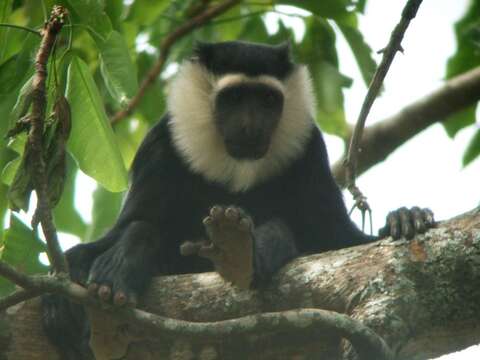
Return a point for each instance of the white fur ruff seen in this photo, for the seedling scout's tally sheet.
(190, 103)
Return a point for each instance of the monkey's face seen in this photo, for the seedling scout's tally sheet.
(246, 115)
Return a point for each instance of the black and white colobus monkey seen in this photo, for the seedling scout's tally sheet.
(236, 161)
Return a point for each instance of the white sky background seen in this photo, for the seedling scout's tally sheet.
(427, 170)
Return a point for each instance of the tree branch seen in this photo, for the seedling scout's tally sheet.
(366, 342)
(165, 47)
(35, 138)
(407, 292)
(382, 138)
(389, 52)
(17, 297)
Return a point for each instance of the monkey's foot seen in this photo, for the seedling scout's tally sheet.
(230, 248)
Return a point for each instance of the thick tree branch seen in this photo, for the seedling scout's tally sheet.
(365, 341)
(382, 138)
(167, 43)
(389, 52)
(413, 294)
(35, 138)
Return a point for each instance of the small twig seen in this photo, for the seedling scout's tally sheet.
(24, 28)
(389, 52)
(15, 276)
(165, 47)
(17, 297)
(35, 138)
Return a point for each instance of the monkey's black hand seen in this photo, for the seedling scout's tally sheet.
(123, 272)
(407, 223)
(230, 245)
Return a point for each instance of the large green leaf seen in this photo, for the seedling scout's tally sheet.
(91, 13)
(106, 206)
(92, 142)
(467, 56)
(117, 68)
(473, 149)
(362, 52)
(21, 248)
(318, 51)
(5, 10)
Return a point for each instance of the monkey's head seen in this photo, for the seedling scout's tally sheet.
(240, 111)
(248, 96)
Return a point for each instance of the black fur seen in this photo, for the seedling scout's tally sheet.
(245, 58)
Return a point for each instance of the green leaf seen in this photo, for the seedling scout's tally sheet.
(145, 12)
(106, 207)
(21, 248)
(130, 135)
(117, 68)
(255, 30)
(92, 142)
(473, 149)
(459, 120)
(324, 8)
(362, 52)
(318, 51)
(114, 10)
(5, 10)
(5, 156)
(21, 186)
(467, 56)
(92, 14)
(360, 5)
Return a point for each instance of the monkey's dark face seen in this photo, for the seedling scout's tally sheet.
(246, 115)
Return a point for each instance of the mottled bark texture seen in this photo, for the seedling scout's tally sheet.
(422, 297)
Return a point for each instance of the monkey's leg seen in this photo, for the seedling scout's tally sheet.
(242, 254)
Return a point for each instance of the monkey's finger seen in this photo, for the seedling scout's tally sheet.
(232, 213)
(92, 290)
(418, 220)
(393, 224)
(190, 248)
(120, 298)
(105, 293)
(216, 212)
(210, 252)
(406, 223)
(428, 217)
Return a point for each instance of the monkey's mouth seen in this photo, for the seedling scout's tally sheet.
(247, 151)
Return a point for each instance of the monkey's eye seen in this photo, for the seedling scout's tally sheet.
(269, 99)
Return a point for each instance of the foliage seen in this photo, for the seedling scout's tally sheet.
(105, 51)
(467, 56)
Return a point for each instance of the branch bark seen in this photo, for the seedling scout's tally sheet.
(422, 297)
(35, 138)
(382, 138)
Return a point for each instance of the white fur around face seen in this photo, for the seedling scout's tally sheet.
(190, 103)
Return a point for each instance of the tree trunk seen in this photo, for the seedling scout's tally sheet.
(422, 297)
